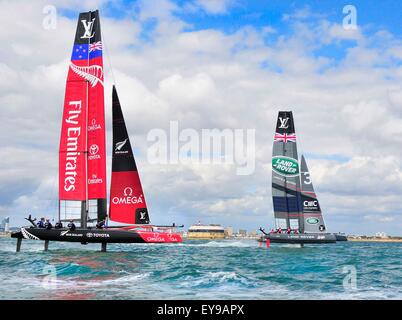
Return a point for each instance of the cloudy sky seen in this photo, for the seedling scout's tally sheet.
(224, 64)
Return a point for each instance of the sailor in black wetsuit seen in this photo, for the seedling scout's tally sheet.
(58, 225)
(48, 225)
(100, 224)
(71, 225)
(41, 223)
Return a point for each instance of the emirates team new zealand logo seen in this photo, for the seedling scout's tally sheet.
(92, 74)
(119, 146)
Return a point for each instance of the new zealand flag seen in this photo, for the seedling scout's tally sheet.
(81, 51)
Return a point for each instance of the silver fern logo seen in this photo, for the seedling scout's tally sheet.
(119, 146)
(92, 74)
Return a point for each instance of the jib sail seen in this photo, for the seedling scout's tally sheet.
(313, 220)
(127, 201)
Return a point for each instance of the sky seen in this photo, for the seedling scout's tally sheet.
(217, 64)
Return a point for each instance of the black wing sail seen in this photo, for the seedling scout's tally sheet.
(286, 175)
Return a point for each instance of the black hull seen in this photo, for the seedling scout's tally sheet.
(340, 237)
(80, 235)
(301, 238)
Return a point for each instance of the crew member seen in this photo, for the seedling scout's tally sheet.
(280, 230)
(41, 223)
(288, 230)
(48, 224)
(58, 225)
(100, 224)
(71, 225)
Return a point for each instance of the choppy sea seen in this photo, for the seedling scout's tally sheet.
(226, 269)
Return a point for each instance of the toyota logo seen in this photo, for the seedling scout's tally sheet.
(93, 149)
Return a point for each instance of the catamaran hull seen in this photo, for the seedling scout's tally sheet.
(301, 238)
(340, 237)
(97, 235)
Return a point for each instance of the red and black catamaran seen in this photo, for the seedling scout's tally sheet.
(82, 159)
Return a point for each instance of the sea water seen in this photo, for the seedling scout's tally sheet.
(227, 269)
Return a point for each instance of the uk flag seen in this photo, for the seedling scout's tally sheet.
(95, 49)
(95, 46)
(285, 137)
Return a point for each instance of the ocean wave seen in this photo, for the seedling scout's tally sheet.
(228, 269)
(221, 243)
(215, 279)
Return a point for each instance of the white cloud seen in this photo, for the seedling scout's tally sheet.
(379, 218)
(161, 9)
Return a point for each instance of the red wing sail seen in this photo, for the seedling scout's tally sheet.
(82, 156)
(127, 201)
(73, 140)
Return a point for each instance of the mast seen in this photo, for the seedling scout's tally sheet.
(287, 204)
(82, 154)
(96, 123)
(127, 200)
(285, 174)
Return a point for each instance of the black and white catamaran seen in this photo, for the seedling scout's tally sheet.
(298, 216)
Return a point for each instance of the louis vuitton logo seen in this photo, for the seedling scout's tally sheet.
(284, 123)
(88, 26)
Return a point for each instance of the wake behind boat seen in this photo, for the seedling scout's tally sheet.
(298, 216)
(82, 160)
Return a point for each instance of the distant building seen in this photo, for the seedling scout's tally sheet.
(5, 224)
(201, 231)
(243, 233)
(381, 235)
(229, 232)
(253, 233)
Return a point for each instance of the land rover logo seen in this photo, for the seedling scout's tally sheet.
(312, 220)
(285, 166)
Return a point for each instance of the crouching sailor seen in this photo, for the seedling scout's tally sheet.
(41, 223)
(71, 225)
(100, 224)
(48, 224)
